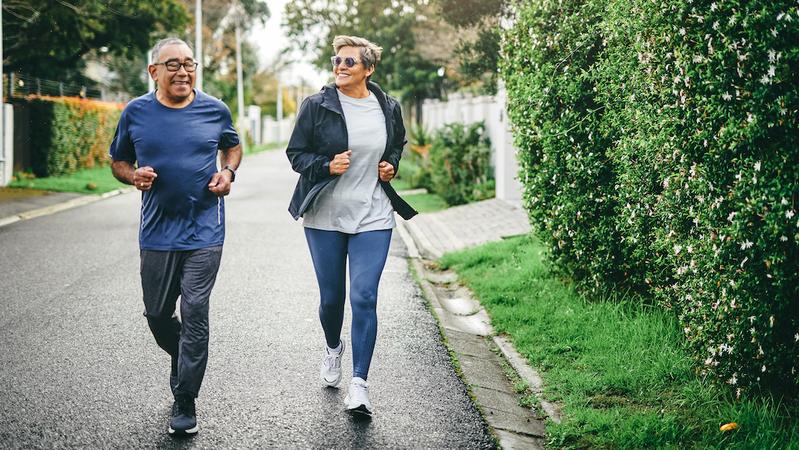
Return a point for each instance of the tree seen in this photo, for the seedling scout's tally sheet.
(49, 39)
(478, 47)
(392, 24)
(219, 47)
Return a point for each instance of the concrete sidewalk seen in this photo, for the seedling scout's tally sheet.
(466, 226)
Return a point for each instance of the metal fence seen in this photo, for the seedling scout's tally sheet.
(17, 84)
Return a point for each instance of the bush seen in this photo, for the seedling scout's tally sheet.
(460, 163)
(657, 146)
(416, 161)
(68, 134)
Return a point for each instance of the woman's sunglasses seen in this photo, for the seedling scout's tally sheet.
(348, 61)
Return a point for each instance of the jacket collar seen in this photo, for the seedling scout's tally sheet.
(330, 97)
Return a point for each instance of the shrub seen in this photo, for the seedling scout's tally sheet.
(416, 161)
(68, 134)
(460, 163)
(657, 146)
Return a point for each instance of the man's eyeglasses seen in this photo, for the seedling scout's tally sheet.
(348, 61)
(174, 66)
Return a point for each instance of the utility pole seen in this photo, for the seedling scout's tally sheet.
(150, 82)
(240, 76)
(198, 43)
(3, 161)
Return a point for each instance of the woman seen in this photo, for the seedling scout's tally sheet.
(346, 146)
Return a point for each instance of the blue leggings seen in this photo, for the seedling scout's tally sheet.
(367, 254)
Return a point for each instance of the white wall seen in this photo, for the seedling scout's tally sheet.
(274, 131)
(491, 109)
(6, 144)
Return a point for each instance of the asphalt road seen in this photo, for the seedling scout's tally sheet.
(79, 368)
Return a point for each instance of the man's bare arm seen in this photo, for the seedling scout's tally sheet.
(221, 181)
(143, 177)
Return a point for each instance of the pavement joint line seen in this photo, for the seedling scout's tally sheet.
(454, 240)
(63, 206)
(506, 348)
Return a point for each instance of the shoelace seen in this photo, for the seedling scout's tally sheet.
(332, 361)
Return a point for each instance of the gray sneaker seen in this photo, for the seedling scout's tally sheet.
(357, 400)
(184, 417)
(331, 367)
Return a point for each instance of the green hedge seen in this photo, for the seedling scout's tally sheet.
(460, 163)
(658, 148)
(68, 134)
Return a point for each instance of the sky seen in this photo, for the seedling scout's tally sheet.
(271, 39)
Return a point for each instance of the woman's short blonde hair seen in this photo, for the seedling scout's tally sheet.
(370, 52)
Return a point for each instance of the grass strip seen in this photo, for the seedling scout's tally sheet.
(425, 203)
(97, 180)
(617, 366)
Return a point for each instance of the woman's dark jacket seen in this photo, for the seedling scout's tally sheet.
(320, 133)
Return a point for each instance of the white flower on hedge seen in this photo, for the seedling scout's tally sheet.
(772, 56)
(726, 96)
(774, 32)
(733, 379)
(763, 369)
(746, 245)
(796, 337)
(757, 166)
(789, 214)
(731, 216)
(784, 238)
(771, 321)
(783, 202)
(677, 249)
(752, 319)
(714, 6)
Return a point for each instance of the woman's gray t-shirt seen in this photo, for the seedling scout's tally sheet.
(354, 202)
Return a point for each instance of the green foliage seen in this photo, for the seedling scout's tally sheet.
(68, 134)
(657, 149)
(478, 47)
(49, 39)
(311, 25)
(617, 366)
(460, 163)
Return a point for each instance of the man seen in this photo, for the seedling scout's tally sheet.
(166, 145)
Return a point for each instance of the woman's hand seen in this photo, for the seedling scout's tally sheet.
(340, 163)
(385, 171)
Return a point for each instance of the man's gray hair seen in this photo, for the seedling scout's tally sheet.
(163, 43)
(370, 52)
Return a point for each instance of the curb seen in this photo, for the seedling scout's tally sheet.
(58, 207)
(416, 256)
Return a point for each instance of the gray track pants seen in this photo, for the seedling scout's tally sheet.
(191, 274)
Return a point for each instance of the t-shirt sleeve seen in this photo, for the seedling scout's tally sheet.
(229, 138)
(122, 146)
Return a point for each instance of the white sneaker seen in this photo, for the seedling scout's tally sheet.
(357, 400)
(331, 367)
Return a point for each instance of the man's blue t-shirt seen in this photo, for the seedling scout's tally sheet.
(179, 212)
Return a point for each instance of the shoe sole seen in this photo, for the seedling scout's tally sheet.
(360, 410)
(332, 383)
(193, 430)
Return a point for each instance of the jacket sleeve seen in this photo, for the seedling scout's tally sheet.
(399, 140)
(300, 150)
